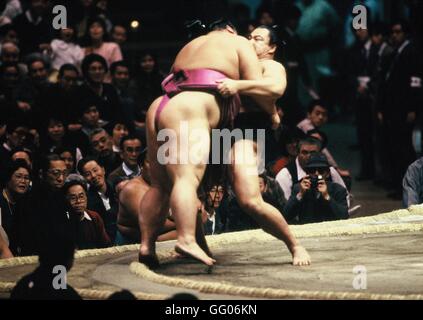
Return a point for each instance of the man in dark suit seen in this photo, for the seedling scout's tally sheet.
(130, 150)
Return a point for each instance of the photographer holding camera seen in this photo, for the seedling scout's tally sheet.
(315, 198)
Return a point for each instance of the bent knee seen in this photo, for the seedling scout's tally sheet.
(252, 205)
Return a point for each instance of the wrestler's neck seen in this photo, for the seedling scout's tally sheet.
(266, 57)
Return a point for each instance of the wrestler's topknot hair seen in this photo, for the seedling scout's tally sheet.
(221, 24)
(273, 35)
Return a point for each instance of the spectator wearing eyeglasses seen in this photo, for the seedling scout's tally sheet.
(101, 195)
(16, 182)
(44, 209)
(88, 226)
(315, 198)
(130, 150)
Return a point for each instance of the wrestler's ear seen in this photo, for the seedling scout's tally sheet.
(273, 49)
(231, 30)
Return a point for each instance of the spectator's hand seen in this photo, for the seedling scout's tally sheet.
(380, 117)
(322, 187)
(74, 126)
(46, 47)
(313, 94)
(227, 87)
(305, 185)
(411, 117)
(24, 106)
(343, 173)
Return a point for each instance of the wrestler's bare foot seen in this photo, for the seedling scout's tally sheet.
(148, 258)
(194, 251)
(300, 256)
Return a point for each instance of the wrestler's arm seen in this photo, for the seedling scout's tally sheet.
(4, 249)
(250, 69)
(272, 86)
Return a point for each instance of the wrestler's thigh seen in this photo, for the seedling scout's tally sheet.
(193, 148)
(158, 174)
(244, 173)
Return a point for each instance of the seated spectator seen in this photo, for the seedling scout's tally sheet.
(31, 90)
(34, 27)
(101, 195)
(57, 249)
(412, 184)
(16, 181)
(69, 156)
(238, 220)
(294, 172)
(317, 117)
(59, 100)
(127, 92)
(12, 8)
(119, 131)
(212, 217)
(148, 82)
(102, 147)
(90, 117)
(64, 50)
(315, 198)
(103, 95)
(119, 34)
(44, 209)
(96, 42)
(17, 136)
(131, 148)
(289, 140)
(88, 225)
(9, 82)
(22, 154)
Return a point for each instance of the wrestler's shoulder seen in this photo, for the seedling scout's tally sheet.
(272, 64)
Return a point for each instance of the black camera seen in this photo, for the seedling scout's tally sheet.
(315, 180)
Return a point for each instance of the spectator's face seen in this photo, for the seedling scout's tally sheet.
(319, 116)
(38, 7)
(96, 72)
(77, 199)
(56, 174)
(398, 35)
(11, 36)
(67, 34)
(121, 77)
(262, 185)
(131, 151)
(94, 174)
(260, 39)
(119, 35)
(19, 182)
(291, 148)
(10, 54)
(266, 19)
(10, 77)
(119, 131)
(216, 196)
(91, 117)
(96, 32)
(102, 4)
(67, 157)
(315, 172)
(18, 137)
(362, 35)
(68, 80)
(147, 63)
(377, 39)
(102, 144)
(38, 72)
(306, 151)
(56, 130)
(20, 155)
